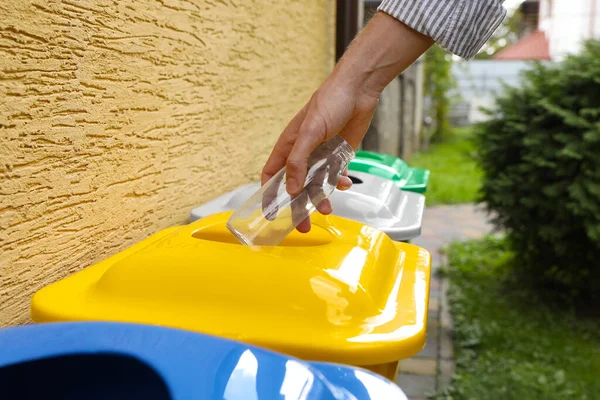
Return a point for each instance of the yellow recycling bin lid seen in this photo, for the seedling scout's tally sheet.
(342, 293)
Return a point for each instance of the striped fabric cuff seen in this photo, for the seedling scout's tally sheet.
(459, 26)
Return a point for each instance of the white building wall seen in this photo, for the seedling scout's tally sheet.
(596, 19)
(568, 23)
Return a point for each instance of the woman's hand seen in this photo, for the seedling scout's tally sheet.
(334, 108)
(346, 101)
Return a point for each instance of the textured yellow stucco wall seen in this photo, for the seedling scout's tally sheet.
(117, 117)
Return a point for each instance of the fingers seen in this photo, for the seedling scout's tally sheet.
(345, 183)
(283, 147)
(269, 198)
(298, 209)
(325, 207)
(304, 226)
(314, 183)
(312, 133)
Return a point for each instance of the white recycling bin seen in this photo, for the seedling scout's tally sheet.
(371, 200)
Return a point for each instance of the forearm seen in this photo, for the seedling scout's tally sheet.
(460, 26)
(384, 49)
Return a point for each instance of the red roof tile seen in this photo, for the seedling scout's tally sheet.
(532, 47)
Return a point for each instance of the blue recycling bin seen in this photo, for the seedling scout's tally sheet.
(99, 360)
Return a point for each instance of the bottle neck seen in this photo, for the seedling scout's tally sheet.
(341, 149)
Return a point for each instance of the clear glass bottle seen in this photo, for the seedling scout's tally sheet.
(270, 214)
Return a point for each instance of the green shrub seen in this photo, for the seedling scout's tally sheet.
(540, 155)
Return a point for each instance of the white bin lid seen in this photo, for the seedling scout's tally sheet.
(371, 200)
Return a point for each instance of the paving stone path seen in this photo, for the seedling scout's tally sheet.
(431, 369)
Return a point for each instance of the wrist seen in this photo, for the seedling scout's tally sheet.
(384, 49)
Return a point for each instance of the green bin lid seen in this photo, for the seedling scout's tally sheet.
(392, 168)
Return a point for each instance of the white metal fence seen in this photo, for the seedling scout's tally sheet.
(479, 82)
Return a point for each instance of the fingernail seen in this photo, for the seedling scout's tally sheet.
(345, 182)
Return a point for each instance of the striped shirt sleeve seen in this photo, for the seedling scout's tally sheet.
(459, 26)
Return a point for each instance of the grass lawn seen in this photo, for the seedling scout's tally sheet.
(455, 178)
(508, 344)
